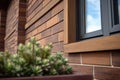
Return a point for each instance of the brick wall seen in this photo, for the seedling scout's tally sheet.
(21, 22)
(49, 28)
(104, 65)
(11, 26)
(2, 28)
(15, 21)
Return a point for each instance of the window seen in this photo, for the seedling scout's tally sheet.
(97, 18)
(115, 16)
(107, 15)
(92, 16)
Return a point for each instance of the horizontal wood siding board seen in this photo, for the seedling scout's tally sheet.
(42, 12)
(97, 44)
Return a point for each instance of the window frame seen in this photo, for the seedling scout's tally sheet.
(80, 9)
(111, 42)
(113, 28)
(107, 20)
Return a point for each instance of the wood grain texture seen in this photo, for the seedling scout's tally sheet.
(96, 44)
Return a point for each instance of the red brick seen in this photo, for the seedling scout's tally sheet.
(58, 47)
(31, 28)
(54, 38)
(97, 58)
(84, 70)
(42, 42)
(15, 22)
(61, 36)
(105, 73)
(74, 57)
(61, 15)
(58, 8)
(38, 36)
(52, 21)
(46, 33)
(41, 28)
(116, 58)
(34, 32)
(2, 28)
(57, 28)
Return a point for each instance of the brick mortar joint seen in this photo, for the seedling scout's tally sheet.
(94, 65)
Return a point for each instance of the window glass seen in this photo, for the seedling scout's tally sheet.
(93, 15)
(119, 8)
(116, 4)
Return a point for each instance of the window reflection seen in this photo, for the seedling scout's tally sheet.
(93, 15)
(119, 8)
(116, 6)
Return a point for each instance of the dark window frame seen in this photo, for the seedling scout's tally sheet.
(111, 42)
(114, 27)
(107, 20)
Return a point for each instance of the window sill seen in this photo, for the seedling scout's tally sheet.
(96, 44)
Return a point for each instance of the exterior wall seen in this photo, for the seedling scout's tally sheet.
(48, 28)
(2, 28)
(14, 22)
(11, 26)
(21, 22)
(104, 65)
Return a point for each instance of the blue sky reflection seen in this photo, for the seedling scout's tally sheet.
(93, 15)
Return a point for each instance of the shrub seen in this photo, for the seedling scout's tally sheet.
(32, 59)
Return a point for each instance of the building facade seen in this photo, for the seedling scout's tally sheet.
(64, 23)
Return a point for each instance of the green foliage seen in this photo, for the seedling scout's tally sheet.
(33, 60)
